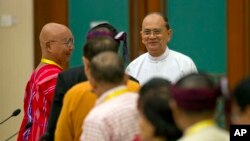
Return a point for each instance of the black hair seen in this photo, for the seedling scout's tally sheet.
(165, 18)
(106, 29)
(241, 94)
(105, 25)
(99, 44)
(153, 103)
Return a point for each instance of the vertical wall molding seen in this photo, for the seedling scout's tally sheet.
(139, 9)
(238, 40)
(46, 11)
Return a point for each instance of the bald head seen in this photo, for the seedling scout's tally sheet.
(56, 41)
(52, 31)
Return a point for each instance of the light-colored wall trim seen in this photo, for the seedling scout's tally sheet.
(16, 61)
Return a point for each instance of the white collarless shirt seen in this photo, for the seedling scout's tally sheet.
(171, 65)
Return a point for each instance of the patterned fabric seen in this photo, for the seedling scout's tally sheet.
(37, 102)
(171, 65)
(65, 81)
(137, 138)
(77, 103)
(113, 120)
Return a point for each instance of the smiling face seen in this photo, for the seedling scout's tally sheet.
(59, 43)
(154, 34)
(62, 46)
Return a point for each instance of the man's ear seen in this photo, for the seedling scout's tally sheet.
(86, 67)
(141, 33)
(175, 108)
(142, 37)
(247, 111)
(170, 33)
(172, 104)
(48, 47)
(86, 63)
(92, 82)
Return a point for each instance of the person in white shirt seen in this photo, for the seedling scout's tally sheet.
(159, 61)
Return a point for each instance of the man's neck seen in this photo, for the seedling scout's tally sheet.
(191, 120)
(106, 86)
(58, 62)
(159, 53)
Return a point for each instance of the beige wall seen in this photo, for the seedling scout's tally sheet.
(16, 61)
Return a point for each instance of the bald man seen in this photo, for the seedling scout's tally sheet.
(56, 43)
(159, 61)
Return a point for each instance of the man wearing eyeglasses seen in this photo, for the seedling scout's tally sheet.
(159, 61)
(56, 43)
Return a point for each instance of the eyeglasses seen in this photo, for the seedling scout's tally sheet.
(148, 32)
(69, 42)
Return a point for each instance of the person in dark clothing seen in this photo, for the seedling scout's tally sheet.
(69, 78)
(241, 103)
(156, 121)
